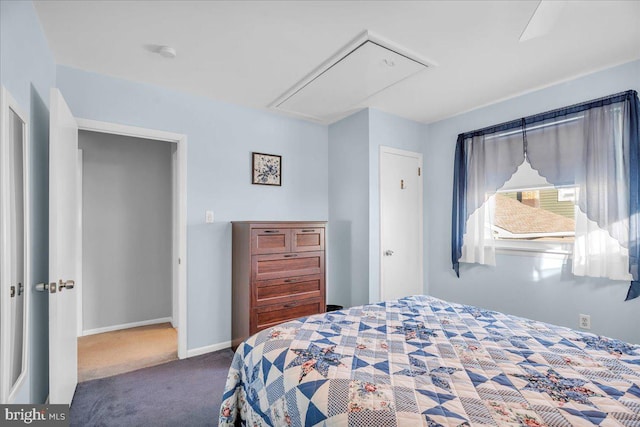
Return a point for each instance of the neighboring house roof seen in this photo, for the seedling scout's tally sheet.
(518, 218)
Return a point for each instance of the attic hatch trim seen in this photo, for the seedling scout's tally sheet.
(362, 38)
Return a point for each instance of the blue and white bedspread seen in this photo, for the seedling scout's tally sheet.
(423, 361)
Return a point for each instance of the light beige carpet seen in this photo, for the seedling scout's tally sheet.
(112, 353)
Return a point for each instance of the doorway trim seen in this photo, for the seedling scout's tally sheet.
(179, 202)
(418, 156)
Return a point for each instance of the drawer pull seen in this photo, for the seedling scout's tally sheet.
(308, 231)
(290, 255)
(271, 231)
(291, 281)
(289, 305)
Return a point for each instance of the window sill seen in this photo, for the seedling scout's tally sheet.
(537, 249)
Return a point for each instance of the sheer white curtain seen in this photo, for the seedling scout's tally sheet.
(478, 239)
(491, 161)
(590, 149)
(601, 246)
(596, 253)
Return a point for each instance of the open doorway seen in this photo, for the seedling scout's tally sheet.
(128, 298)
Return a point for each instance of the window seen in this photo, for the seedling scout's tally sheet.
(529, 214)
(534, 215)
(594, 146)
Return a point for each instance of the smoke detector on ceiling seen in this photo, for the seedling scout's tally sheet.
(166, 52)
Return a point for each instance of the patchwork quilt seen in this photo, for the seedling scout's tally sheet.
(423, 361)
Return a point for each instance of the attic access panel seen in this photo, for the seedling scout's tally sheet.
(347, 82)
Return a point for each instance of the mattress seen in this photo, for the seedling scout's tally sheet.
(424, 361)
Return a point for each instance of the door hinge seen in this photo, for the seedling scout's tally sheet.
(179, 261)
(419, 171)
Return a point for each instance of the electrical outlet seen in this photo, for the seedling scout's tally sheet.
(585, 321)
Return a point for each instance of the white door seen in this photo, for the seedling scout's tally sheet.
(400, 223)
(63, 231)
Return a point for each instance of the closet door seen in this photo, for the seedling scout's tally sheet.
(14, 237)
(400, 223)
(17, 243)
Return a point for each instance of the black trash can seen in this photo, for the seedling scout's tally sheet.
(332, 307)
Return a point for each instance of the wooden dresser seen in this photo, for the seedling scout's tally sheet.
(278, 274)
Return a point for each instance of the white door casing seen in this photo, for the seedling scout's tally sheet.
(79, 281)
(63, 232)
(401, 223)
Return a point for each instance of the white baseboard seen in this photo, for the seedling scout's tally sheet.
(126, 326)
(208, 348)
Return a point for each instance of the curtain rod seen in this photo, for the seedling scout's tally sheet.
(535, 118)
(540, 126)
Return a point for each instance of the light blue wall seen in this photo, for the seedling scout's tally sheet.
(349, 210)
(27, 70)
(328, 173)
(538, 288)
(354, 202)
(126, 248)
(221, 138)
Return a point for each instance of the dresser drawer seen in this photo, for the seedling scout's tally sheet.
(271, 315)
(307, 239)
(270, 240)
(275, 266)
(283, 290)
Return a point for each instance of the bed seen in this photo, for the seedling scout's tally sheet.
(422, 361)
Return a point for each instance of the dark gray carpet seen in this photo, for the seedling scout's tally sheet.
(180, 393)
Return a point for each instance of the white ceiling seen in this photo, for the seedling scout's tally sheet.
(252, 52)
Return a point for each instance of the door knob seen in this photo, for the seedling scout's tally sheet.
(47, 287)
(42, 287)
(388, 252)
(69, 284)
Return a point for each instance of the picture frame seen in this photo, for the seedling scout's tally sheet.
(266, 169)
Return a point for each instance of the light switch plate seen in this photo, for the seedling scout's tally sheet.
(209, 217)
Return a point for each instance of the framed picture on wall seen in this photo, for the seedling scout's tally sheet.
(266, 169)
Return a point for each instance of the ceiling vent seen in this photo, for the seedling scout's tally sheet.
(342, 84)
